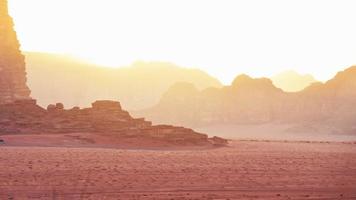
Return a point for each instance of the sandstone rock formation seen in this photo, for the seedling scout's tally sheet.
(104, 117)
(328, 107)
(12, 62)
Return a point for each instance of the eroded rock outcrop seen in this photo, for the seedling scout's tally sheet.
(12, 62)
(104, 117)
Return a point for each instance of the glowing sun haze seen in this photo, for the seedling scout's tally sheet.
(222, 37)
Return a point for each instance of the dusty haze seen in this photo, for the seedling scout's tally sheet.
(56, 78)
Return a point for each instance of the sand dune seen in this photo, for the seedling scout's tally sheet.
(245, 170)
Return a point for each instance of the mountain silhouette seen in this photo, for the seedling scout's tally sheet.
(55, 78)
(323, 108)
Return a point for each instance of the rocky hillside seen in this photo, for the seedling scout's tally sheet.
(54, 78)
(103, 118)
(325, 107)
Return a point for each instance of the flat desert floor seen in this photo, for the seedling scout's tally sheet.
(244, 170)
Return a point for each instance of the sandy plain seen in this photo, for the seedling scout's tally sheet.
(243, 170)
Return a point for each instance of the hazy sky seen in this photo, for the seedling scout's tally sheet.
(222, 37)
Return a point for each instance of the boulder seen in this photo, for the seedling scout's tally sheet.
(59, 106)
(51, 108)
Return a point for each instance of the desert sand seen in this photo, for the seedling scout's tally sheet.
(243, 170)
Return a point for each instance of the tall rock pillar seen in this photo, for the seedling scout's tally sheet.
(12, 62)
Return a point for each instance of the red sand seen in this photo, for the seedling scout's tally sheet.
(88, 140)
(245, 170)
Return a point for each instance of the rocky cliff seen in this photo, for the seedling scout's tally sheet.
(12, 62)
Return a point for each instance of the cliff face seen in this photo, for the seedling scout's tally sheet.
(258, 101)
(12, 62)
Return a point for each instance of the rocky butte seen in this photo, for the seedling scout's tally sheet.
(19, 114)
(12, 62)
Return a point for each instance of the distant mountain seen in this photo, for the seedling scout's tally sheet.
(291, 81)
(320, 108)
(55, 78)
(245, 100)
